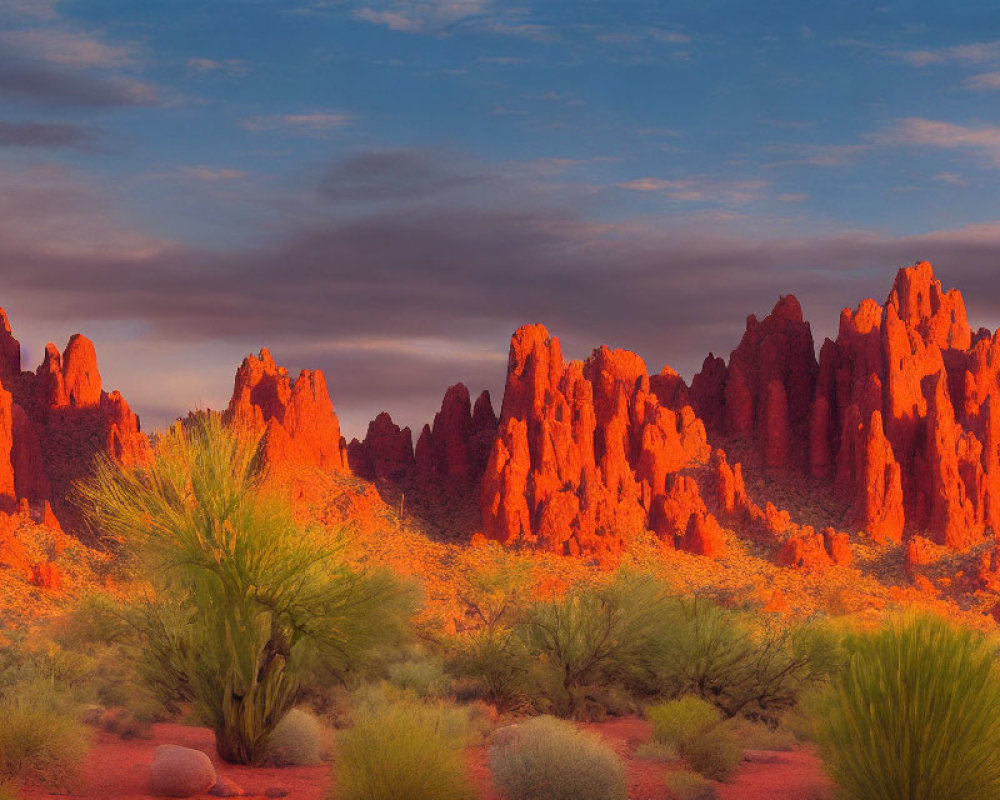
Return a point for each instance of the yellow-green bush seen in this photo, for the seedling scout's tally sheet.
(714, 753)
(682, 719)
(39, 743)
(915, 716)
(548, 759)
(405, 750)
(685, 785)
(296, 740)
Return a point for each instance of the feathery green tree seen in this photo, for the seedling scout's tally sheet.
(244, 601)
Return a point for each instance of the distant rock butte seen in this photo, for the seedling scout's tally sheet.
(898, 417)
(52, 424)
(294, 420)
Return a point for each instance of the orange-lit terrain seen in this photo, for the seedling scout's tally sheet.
(853, 485)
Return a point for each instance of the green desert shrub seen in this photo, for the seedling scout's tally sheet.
(406, 750)
(684, 785)
(714, 753)
(296, 740)
(682, 719)
(244, 601)
(549, 759)
(594, 637)
(422, 675)
(39, 743)
(915, 716)
(744, 665)
(95, 619)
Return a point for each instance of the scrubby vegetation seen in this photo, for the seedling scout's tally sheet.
(685, 785)
(679, 720)
(914, 715)
(40, 740)
(695, 729)
(297, 739)
(245, 602)
(402, 749)
(547, 759)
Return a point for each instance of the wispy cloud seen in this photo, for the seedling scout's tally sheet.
(231, 67)
(203, 172)
(47, 85)
(421, 16)
(951, 177)
(974, 53)
(46, 135)
(318, 123)
(67, 48)
(818, 155)
(983, 140)
(700, 189)
(983, 81)
(52, 63)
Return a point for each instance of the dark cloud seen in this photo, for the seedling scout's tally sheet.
(60, 85)
(398, 301)
(44, 134)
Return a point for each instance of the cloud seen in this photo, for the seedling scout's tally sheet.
(231, 67)
(46, 134)
(951, 177)
(819, 155)
(401, 293)
(984, 80)
(66, 48)
(36, 9)
(983, 140)
(203, 172)
(318, 123)
(423, 15)
(50, 62)
(700, 189)
(974, 53)
(47, 85)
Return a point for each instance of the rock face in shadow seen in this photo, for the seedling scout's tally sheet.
(899, 412)
(54, 422)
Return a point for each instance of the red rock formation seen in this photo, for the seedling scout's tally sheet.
(10, 350)
(767, 390)
(703, 537)
(838, 547)
(295, 418)
(584, 451)
(868, 470)
(806, 551)
(81, 379)
(8, 495)
(54, 421)
(386, 453)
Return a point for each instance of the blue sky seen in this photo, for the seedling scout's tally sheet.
(387, 189)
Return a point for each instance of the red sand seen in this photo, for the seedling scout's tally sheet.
(119, 770)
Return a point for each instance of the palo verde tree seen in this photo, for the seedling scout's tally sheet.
(243, 600)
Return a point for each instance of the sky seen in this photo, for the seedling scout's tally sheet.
(386, 189)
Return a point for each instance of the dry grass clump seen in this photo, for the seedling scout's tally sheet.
(407, 749)
(690, 786)
(39, 743)
(549, 759)
(695, 728)
(296, 740)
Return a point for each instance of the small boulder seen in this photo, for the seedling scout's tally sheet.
(180, 772)
(226, 788)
